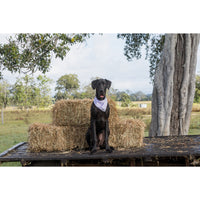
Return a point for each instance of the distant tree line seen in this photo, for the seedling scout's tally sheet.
(68, 87)
(26, 92)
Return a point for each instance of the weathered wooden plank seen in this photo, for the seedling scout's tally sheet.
(11, 149)
(132, 162)
(158, 149)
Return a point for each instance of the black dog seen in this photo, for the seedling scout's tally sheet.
(98, 132)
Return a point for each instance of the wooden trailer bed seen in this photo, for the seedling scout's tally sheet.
(157, 151)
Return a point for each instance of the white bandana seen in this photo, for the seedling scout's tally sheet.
(102, 105)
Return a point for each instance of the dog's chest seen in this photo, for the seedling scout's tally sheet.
(99, 115)
(101, 118)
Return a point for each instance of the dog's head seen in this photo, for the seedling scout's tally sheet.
(101, 85)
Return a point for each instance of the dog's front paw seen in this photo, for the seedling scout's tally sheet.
(94, 150)
(112, 148)
(109, 150)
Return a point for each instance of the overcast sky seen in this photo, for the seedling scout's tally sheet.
(100, 56)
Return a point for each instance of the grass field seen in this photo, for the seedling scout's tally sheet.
(15, 127)
(16, 123)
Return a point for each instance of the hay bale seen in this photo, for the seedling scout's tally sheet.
(134, 134)
(75, 136)
(127, 134)
(77, 112)
(47, 137)
(71, 112)
(71, 120)
(44, 137)
(114, 117)
(116, 130)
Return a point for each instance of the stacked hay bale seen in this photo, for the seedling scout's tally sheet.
(72, 112)
(43, 137)
(71, 119)
(127, 134)
(74, 117)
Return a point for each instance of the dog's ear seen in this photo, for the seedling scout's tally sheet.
(108, 83)
(94, 84)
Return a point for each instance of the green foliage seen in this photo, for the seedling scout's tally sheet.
(66, 85)
(140, 96)
(133, 44)
(125, 98)
(28, 92)
(112, 93)
(153, 46)
(4, 93)
(119, 95)
(197, 90)
(32, 52)
(9, 57)
(88, 92)
(24, 92)
(42, 91)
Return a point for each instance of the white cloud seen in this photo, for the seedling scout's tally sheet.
(102, 56)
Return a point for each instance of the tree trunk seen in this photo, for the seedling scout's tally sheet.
(174, 85)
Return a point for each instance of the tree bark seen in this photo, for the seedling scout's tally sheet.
(174, 85)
